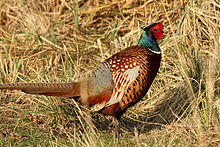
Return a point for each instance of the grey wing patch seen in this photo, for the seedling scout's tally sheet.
(100, 79)
(98, 82)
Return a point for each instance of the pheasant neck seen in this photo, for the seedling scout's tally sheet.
(149, 43)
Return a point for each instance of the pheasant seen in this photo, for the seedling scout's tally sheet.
(116, 84)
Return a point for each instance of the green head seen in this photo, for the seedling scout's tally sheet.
(150, 35)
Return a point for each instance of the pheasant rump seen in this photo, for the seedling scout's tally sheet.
(117, 84)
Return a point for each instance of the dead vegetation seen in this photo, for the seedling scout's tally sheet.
(57, 40)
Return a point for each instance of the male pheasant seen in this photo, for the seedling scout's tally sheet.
(117, 84)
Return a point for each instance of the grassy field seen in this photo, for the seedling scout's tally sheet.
(61, 41)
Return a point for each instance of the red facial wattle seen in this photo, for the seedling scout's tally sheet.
(158, 30)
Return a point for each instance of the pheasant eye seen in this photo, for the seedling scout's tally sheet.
(156, 28)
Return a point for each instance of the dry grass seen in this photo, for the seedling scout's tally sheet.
(54, 41)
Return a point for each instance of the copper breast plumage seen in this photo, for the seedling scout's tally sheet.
(133, 71)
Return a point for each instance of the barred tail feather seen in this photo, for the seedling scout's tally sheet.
(48, 89)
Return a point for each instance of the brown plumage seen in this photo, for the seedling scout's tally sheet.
(117, 84)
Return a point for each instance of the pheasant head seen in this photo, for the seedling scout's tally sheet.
(149, 36)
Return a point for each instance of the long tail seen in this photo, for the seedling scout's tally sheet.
(49, 89)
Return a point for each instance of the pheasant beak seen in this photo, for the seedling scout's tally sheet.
(164, 29)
